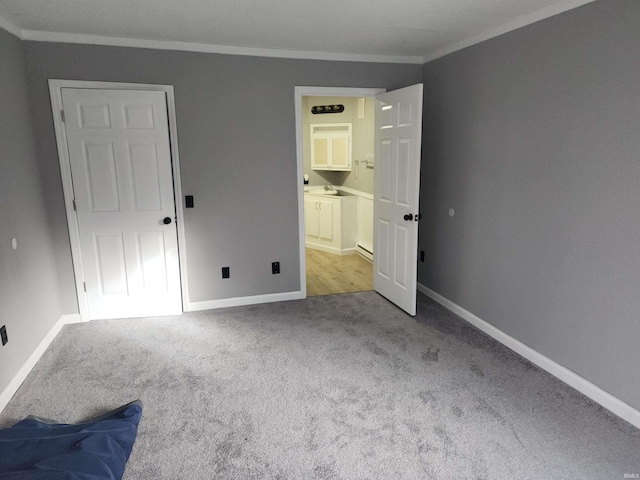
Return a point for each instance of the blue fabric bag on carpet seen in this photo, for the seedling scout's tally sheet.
(98, 449)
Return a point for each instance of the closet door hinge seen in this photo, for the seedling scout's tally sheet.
(84, 284)
(75, 208)
(62, 116)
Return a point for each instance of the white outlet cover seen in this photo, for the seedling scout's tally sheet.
(14, 243)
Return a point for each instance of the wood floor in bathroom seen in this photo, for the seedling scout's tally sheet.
(328, 273)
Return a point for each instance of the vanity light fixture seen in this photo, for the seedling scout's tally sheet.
(327, 109)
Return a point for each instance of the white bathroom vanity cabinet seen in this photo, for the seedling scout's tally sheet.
(331, 222)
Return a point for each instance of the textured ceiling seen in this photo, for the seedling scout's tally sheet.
(402, 28)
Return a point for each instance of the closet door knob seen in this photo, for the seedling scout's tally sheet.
(408, 217)
(166, 220)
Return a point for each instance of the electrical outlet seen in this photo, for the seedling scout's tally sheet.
(3, 334)
(225, 272)
(422, 255)
(275, 267)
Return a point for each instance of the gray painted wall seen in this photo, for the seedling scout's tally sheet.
(534, 139)
(29, 296)
(236, 133)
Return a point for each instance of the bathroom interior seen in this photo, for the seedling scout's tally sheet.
(338, 156)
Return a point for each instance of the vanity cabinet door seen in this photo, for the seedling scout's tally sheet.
(320, 154)
(340, 153)
(311, 217)
(325, 219)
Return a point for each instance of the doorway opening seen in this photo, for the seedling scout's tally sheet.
(336, 129)
(396, 197)
(338, 176)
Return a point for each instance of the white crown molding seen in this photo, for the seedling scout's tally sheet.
(523, 21)
(39, 36)
(10, 27)
(519, 22)
(584, 386)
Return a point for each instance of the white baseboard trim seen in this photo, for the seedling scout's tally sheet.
(365, 251)
(335, 251)
(584, 386)
(22, 373)
(241, 301)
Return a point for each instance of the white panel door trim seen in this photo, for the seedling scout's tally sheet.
(55, 91)
(300, 92)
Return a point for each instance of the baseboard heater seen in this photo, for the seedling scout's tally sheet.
(364, 251)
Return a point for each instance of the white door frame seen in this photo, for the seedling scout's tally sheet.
(55, 92)
(300, 92)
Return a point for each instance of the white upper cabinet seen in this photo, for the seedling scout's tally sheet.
(331, 146)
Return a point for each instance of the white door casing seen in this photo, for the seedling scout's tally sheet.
(397, 195)
(120, 158)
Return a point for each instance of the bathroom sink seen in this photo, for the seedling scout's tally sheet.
(332, 192)
(322, 191)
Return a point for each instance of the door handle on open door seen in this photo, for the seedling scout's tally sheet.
(166, 220)
(408, 217)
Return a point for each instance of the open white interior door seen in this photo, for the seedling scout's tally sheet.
(120, 159)
(397, 195)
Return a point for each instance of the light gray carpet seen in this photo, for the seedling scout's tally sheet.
(345, 386)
